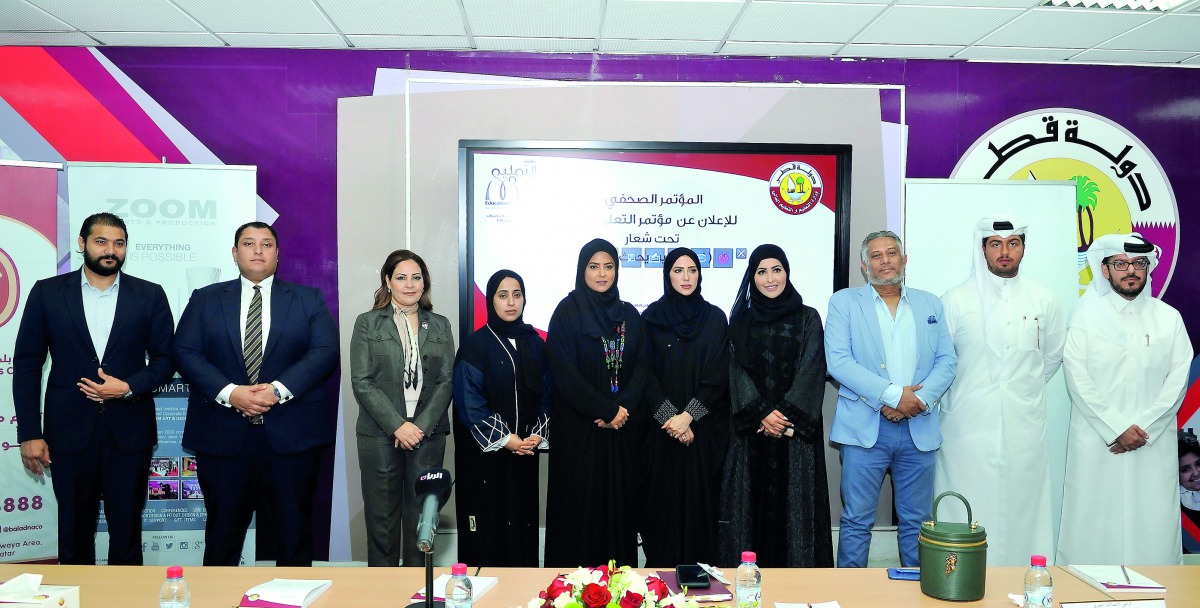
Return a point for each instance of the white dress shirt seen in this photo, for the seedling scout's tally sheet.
(899, 336)
(243, 312)
(99, 310)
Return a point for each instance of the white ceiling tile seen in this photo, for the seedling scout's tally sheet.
(543, 45)
(678, 20)
(899, 51)
(121, 15)
(18, 15)
(977, 3)
(1193, 61)
(934, 25)
(1064, 28)
(45, 39)
(535, 18)
(1007, 53)
(396, 17)
(669, 47)
(802, 22)
(879, 2)
(1167, 33)
(284, 41)
(266, 16)
(1114, 56)
(779, 49)
(183, 39)
(426, 43)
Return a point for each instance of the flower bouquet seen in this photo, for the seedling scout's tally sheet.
(609, 587)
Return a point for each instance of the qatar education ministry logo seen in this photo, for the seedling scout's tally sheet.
(1119, 185)
(10, 288)
(796, 188)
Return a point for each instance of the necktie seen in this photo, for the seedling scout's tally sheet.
(252, 351)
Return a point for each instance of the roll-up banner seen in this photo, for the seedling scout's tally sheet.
(28, 225)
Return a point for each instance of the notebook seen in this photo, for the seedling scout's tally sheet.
(715, 592)
(1116, 579)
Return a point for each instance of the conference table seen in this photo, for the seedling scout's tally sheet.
(355, 587)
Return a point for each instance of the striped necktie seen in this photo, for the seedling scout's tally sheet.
(252, 351)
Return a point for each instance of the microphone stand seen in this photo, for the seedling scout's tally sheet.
(429, 602)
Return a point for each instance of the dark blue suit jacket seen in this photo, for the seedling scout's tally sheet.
(53, 323)
(301, 352)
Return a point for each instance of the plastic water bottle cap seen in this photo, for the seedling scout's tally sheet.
(458, 569)
(749, 556)
(1037, 560)
(175, 572)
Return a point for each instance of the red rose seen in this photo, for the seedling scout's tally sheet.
(632, 600)
(595, 596)
(556, 588)
(656, 586)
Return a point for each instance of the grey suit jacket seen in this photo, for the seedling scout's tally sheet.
(377, 373)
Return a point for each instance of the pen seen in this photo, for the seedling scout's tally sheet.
(1123, 570)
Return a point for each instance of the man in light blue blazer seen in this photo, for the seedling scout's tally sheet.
(889, 349)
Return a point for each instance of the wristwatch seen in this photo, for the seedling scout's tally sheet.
(275, 389)
(128, 394)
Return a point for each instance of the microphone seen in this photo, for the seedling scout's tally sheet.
(433, 489)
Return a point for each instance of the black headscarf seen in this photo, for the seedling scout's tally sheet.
(602, 312)
(685, 314)
(519, 331)
(752, 306)
(752, 301)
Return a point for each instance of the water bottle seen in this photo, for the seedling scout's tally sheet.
(747, 582)
(1039, 587)
(174, 592)
(458, 590)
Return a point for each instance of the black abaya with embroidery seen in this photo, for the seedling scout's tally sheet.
(592, 470)
(689, 372)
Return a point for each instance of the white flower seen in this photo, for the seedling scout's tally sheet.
(582, 578)
(637, 585)
(677, 601)
(563, 600)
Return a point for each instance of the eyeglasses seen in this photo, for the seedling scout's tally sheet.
(1123, 265)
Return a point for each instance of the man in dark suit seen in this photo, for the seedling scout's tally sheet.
(257, 352)
(108, 335)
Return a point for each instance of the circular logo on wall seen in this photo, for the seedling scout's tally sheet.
(10, 288)
(796, 188)
(1119, 185)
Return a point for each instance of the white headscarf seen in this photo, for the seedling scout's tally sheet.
(1004, 226)
(1133, 245)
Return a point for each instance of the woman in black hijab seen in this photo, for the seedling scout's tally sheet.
(687, 394)
(595, 346)
(502, 407)
(775, 496)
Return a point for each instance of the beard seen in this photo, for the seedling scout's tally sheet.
(95, 266)
(1004, 273)
(1127, 292)
(897, 279)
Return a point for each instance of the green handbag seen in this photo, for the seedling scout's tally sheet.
(953, 556)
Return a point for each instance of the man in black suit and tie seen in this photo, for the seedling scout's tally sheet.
(257, 352)
(108, 335)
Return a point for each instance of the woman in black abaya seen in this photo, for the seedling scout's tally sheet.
(595, 347)
(502, 407)
(687, 396)
(775, 498)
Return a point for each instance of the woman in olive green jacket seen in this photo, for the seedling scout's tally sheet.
(401, 368)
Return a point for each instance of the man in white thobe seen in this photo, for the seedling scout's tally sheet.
(1008, 332)
(1126, 360)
